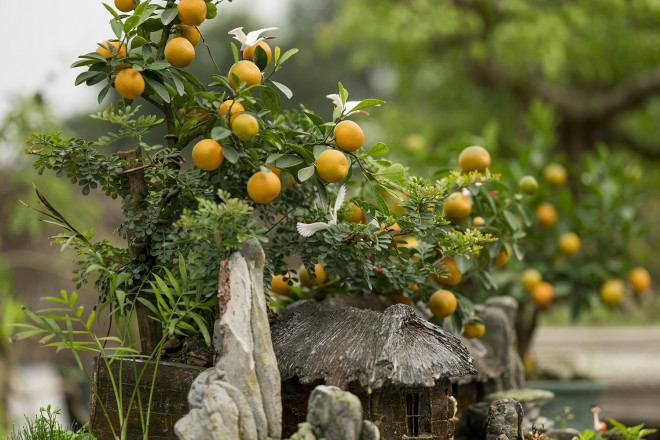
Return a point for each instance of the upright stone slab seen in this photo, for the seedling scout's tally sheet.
(243, 389)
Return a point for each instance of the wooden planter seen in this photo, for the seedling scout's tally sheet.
(168, 404)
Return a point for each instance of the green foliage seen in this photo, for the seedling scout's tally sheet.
(631, 433)
(46, 427)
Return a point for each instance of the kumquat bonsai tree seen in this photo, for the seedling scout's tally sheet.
(333, 214)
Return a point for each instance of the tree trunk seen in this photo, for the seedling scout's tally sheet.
(150, 329)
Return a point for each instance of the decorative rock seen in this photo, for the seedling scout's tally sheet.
(334, 414)
(498, 314)
(505, 416)
(502, 437)
(562, 434)
(305, 431)
(369, 431)
(242, 391)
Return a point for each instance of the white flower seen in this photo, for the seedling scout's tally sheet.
(251, 38)
(336, 100)
(309, 229)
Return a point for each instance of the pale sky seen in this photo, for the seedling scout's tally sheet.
(43, 37)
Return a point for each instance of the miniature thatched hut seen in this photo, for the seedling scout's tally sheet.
(396, 362)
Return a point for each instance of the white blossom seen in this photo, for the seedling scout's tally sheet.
(309, 229)
(251, 38)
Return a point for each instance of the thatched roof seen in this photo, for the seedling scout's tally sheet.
(345, 345)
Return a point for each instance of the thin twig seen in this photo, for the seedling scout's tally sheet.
(135, 169)
(290, 211)
(209, 49)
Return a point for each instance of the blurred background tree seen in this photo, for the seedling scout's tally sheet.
(536, 83)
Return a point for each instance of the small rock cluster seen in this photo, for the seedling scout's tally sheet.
(334, 414)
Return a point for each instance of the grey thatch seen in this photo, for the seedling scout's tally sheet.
(346, 345)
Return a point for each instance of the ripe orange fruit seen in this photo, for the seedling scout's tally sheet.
(611, 292)
(639, 279)
(528, 185)
(280, 286)
(231, 108)
(190, 33)
(248, 53)
(478, 221)
(179, 52)
(398, 298)
(569, 243)
(129, 83)
(263, 188)
(247, 73)
(453, 275)
(554, 174)
(355, 214)
(442, 303)
(542, 294)
(457, 206)
(245, 127)
(530, 278)
(126, 5)
(474, 328)
(105, 50)
(474, 158)
(332, 166)
(320, 276)
(348, 136)
(503, 255)
(192, 12)
(546, 214)
(207, 154)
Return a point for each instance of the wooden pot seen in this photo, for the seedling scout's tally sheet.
(168, 404)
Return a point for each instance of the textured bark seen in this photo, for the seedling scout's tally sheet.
(150, 330)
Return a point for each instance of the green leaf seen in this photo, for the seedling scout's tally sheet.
(382, 205)
(131, 23)
(288, 54)
(230, 153)
(104, 91)
(90, 320)
(111, 10)
(201, 325)
(306, 173)
(289, 161)
(366, 104)
(260, 57)
(393, 172)
(219, 133)
(156, 85)
(309, 157)
(315, 119)
(343, 94)
(85, 76)
(234, 51)
(378, 149)
(318, 149)
(323, 194)
(138, 41)
(511, 220)
(284, 89)
(168, 15)
(117, 27)
(158, 65)
(271, 99)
